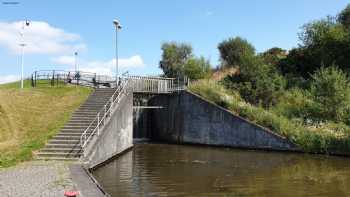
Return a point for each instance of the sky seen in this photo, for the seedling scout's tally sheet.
(59, 28)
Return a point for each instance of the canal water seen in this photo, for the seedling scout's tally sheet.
(179, 170)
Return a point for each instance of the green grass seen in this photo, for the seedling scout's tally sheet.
(31, 116)
(324, 138)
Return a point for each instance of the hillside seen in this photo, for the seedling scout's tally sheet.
(29, 117)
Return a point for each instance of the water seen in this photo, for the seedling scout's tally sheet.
(178, 170)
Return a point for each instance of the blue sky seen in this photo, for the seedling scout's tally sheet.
(61, 27)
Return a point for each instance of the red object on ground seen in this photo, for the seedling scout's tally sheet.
(71, 193)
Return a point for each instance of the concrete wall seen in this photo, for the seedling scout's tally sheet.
(116, 136)
(188, 118)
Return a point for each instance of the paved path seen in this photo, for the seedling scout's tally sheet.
(36, 178)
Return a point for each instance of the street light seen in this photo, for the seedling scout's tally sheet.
(22, 44)
(75, 61)
(117, 27)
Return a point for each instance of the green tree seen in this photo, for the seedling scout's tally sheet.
(233, 50)
(330, 88)
(197, 68)
(258, 83)
(324, 42)
(344, 17)
(174, 57)
(274, 55)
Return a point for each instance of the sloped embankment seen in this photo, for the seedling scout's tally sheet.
(29, 117)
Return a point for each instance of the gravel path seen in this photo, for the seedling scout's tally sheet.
(36, 178)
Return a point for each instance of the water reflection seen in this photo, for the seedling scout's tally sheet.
(176, 170)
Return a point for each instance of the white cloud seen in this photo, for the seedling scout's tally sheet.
(40, 38)
(102, 67)
(9, 78)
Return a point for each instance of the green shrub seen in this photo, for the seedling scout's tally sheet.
(197, 68)
(330, 88)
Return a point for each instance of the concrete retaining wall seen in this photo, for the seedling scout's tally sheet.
(188, 118)
(116, 136)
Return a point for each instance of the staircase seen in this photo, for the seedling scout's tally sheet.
(66, 144)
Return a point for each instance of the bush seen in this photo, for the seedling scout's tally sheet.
(330, 88)
(197, 68)
(257, 83)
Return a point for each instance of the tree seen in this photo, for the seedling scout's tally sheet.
(324, 42)
(174, 57)
(274, 55)
(197, 68)
(258, 83)
(233, 50)
(330, 88)
(344, 17)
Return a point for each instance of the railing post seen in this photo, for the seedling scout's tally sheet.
(98, 123)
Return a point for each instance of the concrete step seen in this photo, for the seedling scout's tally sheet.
(82, 113)
(66, 138)
(72, 142)
(87, 110)
(73, 130)
(61, 150)
(76, 121)
(54, 145)
(75, 127)
(81, 123)
(68, 134)
(85, 116)
(61, 154)
(57, 158)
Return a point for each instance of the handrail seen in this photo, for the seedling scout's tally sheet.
(114, 99)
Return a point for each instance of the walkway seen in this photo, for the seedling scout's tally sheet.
(36, 178)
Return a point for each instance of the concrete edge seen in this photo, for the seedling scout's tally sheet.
(85, 182)
(267, 130)
(109, 159)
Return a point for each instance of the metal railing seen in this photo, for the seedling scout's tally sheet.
(141, 84)
(60, 77)
(104, 114)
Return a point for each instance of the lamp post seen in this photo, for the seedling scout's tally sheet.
(22, 44)
(117, 28)
(75, 62)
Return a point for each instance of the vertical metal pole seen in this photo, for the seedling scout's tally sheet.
(22, 60)
(116, 55)
(98, 123)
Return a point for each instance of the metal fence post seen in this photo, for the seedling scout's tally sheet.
(98, 123)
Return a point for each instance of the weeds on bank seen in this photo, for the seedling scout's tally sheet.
(315, 138)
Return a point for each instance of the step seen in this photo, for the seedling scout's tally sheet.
(91, 107)
(69, 134)
(75, 127)
(72, 130)
(84, 113)
(85, 116)
(61, 154)
(81, 123)
(66, 138)
(87, 111)
(74, 121)
(61, 150)
(57, 158)
(54, 145)
(73, 142)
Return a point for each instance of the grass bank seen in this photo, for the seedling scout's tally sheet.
(29, 117)
(325, 138)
